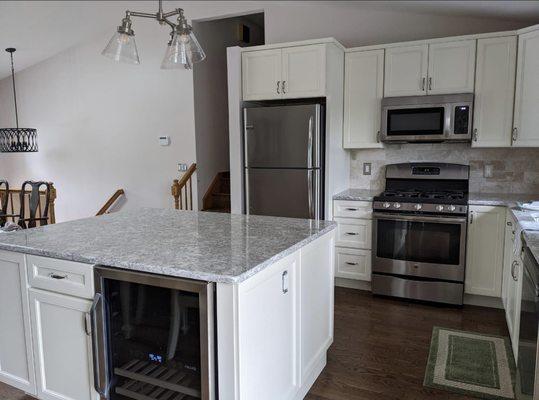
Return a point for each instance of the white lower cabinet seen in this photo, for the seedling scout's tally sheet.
(62, 346)
(486, 230)
(512, 283)
(353, 264)
(16, 358)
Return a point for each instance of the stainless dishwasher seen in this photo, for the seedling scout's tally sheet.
(527, 386)
(153, 337)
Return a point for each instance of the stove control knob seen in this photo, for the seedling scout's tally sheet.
(439, 208)
(397, 205)
(418, 207)
(386, 205)
(451, 208)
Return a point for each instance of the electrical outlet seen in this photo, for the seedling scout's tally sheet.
(488, 171)
(367, 168)
(182, 167)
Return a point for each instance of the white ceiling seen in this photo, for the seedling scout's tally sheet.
(41, 29)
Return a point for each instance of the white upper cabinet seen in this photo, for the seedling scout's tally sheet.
(486, 233)
(494, 91)
(16, 359)
(451, 67)
(406, 70)
(261, 74)
(303, 71)
(285, 73)
(525, 132)
(363, 92)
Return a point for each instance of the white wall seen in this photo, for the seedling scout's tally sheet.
(211, 97)
(98, 121)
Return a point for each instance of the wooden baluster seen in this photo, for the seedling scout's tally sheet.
(175, 190)
(52, 198)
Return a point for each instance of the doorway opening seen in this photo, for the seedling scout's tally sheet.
(211, 103)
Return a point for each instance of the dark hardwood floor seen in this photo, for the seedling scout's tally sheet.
(381, 347)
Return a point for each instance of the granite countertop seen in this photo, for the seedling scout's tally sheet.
(357, 195)
(206, 246)
(500, 199)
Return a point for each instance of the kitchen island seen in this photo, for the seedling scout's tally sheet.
(272, 280)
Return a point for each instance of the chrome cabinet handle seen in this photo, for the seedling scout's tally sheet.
(423, 84)
(351, 263)
(515, 134)
(471, 218)
(430, 83)
(378, 137)
(514, 265)
(351, 209)
(98, 353)
(283, 86)
(278, 91)
(284, 282)
(352, 233)
(475, 135)
(52, 275)
(88, 324)
(509, 223)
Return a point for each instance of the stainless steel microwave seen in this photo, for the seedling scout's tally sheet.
(438, 118)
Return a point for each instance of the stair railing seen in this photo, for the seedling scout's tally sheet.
(182, 190)
(110, 202)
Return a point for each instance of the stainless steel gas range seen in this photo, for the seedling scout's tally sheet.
(419, 232)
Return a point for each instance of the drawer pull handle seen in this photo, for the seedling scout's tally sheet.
(52, 275)
(351, 263)
(352, 233)
(351, 209)
(284, 282)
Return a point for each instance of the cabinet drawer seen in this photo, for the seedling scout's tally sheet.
(352, 209)
(67, 277)
(353, 264)
(354, 233)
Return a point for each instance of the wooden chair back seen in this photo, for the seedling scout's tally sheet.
(13, 208)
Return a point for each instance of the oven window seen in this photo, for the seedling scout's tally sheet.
(425, 242)
(415, 121)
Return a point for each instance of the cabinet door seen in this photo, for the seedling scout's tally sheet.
(267, 305)
(261, 74)
(494, 91)
(451, 67)
(406, 71)
(363, 92)
(485, 251)
(16, 359)
(62, 347)
(304, 71)
(525, 132)
(354, 233)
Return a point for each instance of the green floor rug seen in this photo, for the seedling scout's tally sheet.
(471, 364)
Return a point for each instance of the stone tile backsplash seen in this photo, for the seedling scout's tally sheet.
(514, 170)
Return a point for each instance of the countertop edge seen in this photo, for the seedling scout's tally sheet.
(168, 271)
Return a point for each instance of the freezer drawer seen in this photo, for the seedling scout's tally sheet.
(282, 136)
(284, 193)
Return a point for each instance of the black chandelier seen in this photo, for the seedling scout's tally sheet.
(17, 140)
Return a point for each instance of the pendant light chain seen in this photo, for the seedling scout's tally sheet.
(14, 90)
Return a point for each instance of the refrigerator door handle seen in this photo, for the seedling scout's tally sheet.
(317, 196)
(310, 193)
(310, 144)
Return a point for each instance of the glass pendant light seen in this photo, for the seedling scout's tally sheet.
(17, 140)
(183, 50)
(122, 47)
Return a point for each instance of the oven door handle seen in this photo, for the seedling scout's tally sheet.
(419, 218)
(98, 358)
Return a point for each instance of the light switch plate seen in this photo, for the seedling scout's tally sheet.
(182, 167)
(367, 168)
(488, 171)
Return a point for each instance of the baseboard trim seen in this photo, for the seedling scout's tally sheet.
(316, 370)
(469, 299)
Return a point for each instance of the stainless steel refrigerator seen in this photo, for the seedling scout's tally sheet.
(284, 158)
